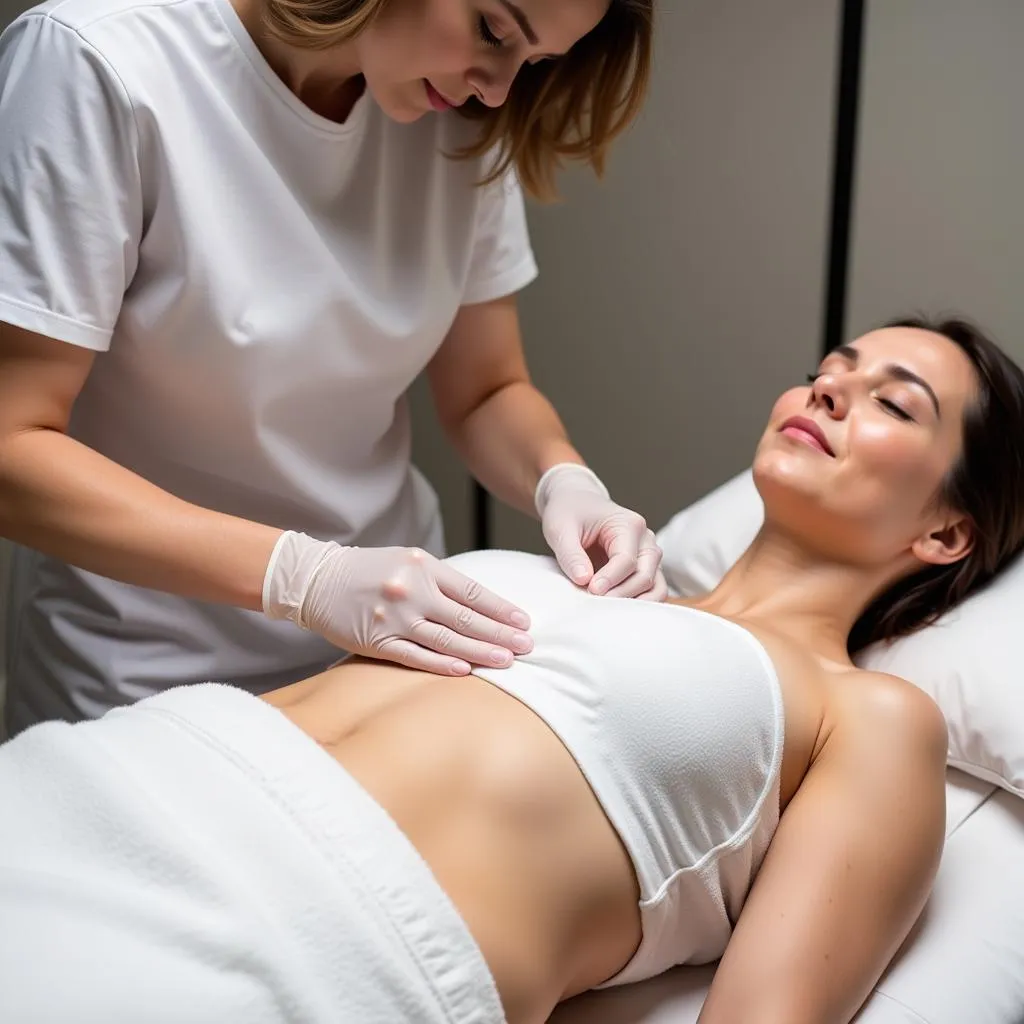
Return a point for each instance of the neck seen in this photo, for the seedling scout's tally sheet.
(329, 81)
(797, 593)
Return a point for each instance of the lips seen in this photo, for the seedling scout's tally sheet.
(437, 101)
(802, 428)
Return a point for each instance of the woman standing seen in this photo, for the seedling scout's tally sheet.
(232, 233)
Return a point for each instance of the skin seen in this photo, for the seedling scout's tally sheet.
(463, 49)
(501, 813)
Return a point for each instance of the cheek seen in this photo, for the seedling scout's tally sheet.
(445, 41)
(891, 451)
(419, 40)
(890, 478)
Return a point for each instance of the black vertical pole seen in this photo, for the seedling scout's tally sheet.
(851, 48)
(481, 517)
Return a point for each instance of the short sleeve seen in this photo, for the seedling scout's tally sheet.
(502, 260)
(70, 194)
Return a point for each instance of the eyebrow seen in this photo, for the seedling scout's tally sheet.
(894, 370)
(521, 20)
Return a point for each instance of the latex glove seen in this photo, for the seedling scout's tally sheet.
(577, 515)
(396, 604)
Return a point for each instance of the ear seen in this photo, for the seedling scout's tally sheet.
(948, 541)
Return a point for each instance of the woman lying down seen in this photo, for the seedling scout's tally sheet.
(655, 784)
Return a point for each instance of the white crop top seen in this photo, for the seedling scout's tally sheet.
(675, 719)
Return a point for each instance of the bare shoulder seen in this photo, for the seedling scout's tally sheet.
(883, 709)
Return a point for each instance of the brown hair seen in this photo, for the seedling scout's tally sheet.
(570, 108)
(986, 484)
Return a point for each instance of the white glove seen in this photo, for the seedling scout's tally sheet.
(396, 604)
(577, 515)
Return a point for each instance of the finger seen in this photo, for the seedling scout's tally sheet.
(568, 550)
(435, 636)
(411, 655)
(465, 591)
(643, 579)
(468, 623)
(623, 551)
(658, 592)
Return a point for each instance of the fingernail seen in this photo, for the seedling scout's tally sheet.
(578, 573)
(501, 657)
(520, 620)
(460, 668)
(521, 643)
(599, 586)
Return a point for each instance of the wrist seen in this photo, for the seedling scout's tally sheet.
(562, 474)
(292, 568)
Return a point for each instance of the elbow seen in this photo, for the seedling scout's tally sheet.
(18, 455)
(456, 420)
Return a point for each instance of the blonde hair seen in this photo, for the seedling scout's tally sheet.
(571, 108)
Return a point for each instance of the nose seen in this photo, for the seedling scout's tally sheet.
(830, 392)
(491, 84)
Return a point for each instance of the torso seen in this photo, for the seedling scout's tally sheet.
(502, 814)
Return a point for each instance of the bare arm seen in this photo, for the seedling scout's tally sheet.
(848, 871)
(65, 499)
(506, 431)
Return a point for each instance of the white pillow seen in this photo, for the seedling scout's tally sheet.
(971, 662)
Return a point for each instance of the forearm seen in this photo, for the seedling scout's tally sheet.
(62, 498)
(510, 439)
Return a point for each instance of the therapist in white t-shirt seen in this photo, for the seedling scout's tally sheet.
(232, 232)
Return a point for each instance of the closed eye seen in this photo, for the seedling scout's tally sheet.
(487, 35)
(887, 403)
(895, 409)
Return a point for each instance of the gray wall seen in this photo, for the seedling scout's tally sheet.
(10, 9)
(682, 294)
(679, 296)
(939, 207)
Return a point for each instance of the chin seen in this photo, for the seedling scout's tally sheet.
(787, 469)
(405, 115)
(790, 488)
(776, 483)
(402, 113)
(399, 105)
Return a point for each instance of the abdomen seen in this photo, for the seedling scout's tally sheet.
(499, 810)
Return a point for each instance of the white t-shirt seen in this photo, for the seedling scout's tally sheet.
(263, 285)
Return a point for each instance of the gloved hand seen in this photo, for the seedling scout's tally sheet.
(396, 604)
(577, 515)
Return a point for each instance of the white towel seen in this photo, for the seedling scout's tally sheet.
(197, 859)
